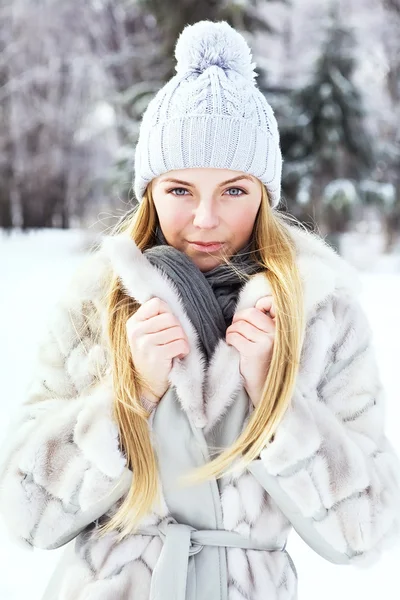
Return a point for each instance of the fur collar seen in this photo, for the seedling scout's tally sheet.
(205, 394)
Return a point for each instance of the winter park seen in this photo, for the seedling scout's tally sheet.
(81, 99)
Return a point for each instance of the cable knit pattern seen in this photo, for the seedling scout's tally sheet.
(210, 114)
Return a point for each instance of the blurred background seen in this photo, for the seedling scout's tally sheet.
(75, 78)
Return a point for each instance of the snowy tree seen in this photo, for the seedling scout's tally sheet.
(76, 79)
(389, 164)
(51, 82)
(322, 124)
(62, 66)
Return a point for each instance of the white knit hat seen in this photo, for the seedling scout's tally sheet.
(210, 114)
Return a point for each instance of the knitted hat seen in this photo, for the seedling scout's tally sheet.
(210, 114)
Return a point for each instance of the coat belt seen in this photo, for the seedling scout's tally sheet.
(180, 541)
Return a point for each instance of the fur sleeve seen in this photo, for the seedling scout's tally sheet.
(330, 466)
(61, 466)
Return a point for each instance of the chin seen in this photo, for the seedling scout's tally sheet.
(207, 263)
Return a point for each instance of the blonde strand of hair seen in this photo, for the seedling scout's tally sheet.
(279, 261)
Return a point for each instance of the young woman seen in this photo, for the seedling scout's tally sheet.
(210, 380)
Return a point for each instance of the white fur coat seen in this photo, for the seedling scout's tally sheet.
(330, 471)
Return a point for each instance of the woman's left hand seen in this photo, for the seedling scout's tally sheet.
(252, 333)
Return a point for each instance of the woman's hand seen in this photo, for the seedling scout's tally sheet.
(155, 338)
(252, 333)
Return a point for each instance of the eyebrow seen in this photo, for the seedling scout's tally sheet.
(238, 178)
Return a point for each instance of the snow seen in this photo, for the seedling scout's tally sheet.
(339, 192)
(386, 192)
(36, 269)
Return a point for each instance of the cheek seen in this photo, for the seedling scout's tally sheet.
(173, 219)
(242, 222)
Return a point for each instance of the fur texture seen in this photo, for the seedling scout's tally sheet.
(330, 454)
(205, 44)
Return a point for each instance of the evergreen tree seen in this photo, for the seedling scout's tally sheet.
(322, 125)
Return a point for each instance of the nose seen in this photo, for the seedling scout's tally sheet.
(205, 216)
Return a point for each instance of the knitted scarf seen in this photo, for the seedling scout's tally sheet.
(209, 297)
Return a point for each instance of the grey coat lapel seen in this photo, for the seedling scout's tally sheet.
(180, 447)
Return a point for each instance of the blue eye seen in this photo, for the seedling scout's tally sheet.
(174, 189)
(238, 189)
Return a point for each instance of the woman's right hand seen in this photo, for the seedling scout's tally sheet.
(155, 337)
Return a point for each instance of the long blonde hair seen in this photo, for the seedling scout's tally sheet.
(274, 250)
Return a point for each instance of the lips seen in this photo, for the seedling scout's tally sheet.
(206, 247)
(205, 243)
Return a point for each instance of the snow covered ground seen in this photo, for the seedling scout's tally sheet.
(36, 268)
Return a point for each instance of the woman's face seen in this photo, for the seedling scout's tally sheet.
(207, 205)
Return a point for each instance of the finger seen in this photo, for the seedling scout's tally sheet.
(266, 303)
(255, 317)
(238, 341)
(247, 330)
(177, 348)
(151, 308)
(160, 322)
(166, 336)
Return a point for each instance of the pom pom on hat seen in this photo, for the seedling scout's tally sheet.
(208, 43)
(198, 120)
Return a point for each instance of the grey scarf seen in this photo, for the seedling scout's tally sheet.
(209, 297)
